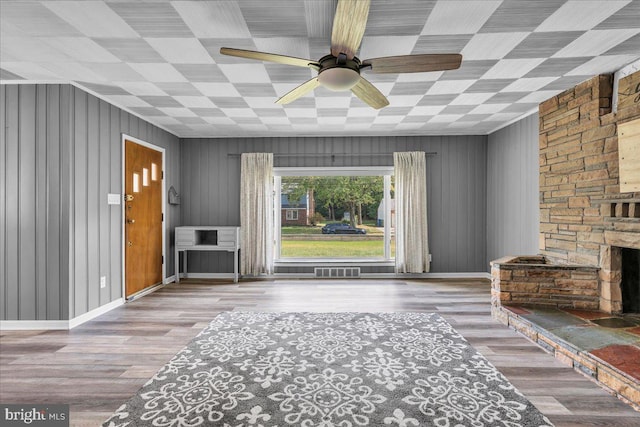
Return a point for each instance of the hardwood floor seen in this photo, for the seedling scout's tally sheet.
(100, 364)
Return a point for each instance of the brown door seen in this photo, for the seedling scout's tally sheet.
(143, 217)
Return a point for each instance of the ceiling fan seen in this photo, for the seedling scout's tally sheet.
(340, 70)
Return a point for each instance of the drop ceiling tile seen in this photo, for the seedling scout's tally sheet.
(596, 42)
(404, 100)
(445, 118)
(399, 17)
(447, 43)
(217, 89)
(491, 45)
(300, 112)
(165, 120)
(32, 18)
(128, 101)
(319, 17)
(419, 77)
(195, 101)
(72, 71)
(521, 107)
(443, 99)
(528, 84)
(7, 75)
(220, 121)
(275, 120)
(380, 46)
(364, 111)
(81, 49)
(418, 118)
(239, 112)
(489, 108)
(147, 111)
(307, 101)
(152, 19)
(263, 103)
(506, 97)
(556, 67)
(119, 72)
(104, 89)
(245, 73)
(158, 72)
(459, 17)
(213, 19)
(410, 88)
(628, 47)
(177, 112)
(469, 70)
(269, 111)
(503, 117)
(192, 120)
(603, 65)
(229, 102)
(580, 15)
(92, 18)
(538, 96)
(265, 90)
(178, 88)
(276, 18)
(288, 73)
(458, 109)
(520, 15)
(388, 119)
(489, 85)
(566, 82)
(161, 101)
(474, 117)
(290, 46)
(539, 45)
(207, 112)
(333, 102)
(472, 98)
(394, 111)
(627, 17)
(332, 120)
(213, 46)
(181, 50)
(130, 50)
(201, 72)
(426, 110)
(512, 68)
(23, 49)
(449, 86)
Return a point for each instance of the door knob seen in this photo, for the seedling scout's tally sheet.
(131, 221)
(128, 197)
(129, 243)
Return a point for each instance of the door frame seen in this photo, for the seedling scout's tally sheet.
(125, 138)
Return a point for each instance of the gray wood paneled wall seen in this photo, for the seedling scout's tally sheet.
(456, 187)
(512, 190)
(60, 154)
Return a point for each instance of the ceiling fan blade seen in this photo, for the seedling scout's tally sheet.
(369, 94)
(270, 57)
(348, 26)
(299, 91)
(414, 63)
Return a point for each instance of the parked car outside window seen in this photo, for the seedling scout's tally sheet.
(340, 228)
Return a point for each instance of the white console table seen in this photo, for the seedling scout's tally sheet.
(207, 238)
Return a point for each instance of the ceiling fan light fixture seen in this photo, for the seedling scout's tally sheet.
(339, 79)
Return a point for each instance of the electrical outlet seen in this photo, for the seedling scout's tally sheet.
(429, 257)
(103, 282)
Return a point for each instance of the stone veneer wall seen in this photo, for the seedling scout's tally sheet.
(579, 179)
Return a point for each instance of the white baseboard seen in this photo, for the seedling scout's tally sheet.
(478, 275)
(169, 279)
(475, 275)
(76, 321)
(34, 325)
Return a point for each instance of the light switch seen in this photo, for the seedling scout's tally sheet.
(113, 199)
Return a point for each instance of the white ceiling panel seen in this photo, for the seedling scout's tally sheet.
(181, 50)
(81, 49)
(158, 72)
(92, 18)
(512, 68)
(580, 15)
(491, 45)
(596, 42)
(213, 19)
(459, 17)
(162, 59)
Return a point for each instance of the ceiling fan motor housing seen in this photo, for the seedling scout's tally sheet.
(339, 73)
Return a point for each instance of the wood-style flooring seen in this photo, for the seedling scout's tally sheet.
(97, 366)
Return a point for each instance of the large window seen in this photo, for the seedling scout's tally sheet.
(348, 214)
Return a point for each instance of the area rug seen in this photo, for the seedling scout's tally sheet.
(328, 369)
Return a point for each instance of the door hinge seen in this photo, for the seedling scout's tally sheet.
(162, 259)
(162, 217)
(162, 175)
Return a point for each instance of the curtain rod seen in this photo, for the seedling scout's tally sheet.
(333, 155)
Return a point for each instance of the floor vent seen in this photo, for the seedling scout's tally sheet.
(333, 272)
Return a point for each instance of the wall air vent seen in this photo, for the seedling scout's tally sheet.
(337, 272)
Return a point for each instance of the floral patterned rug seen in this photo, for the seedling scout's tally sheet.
(328, 369)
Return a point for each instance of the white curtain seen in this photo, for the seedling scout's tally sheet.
(412, 247)
(256, 213)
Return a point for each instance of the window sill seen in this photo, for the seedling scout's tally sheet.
(291, 262)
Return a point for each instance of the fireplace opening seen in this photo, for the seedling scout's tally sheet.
(630, 280)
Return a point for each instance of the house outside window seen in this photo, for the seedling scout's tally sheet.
(292, 215)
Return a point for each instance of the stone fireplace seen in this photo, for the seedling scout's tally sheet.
(585, 220)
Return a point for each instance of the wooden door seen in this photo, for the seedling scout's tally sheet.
(143, 218)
